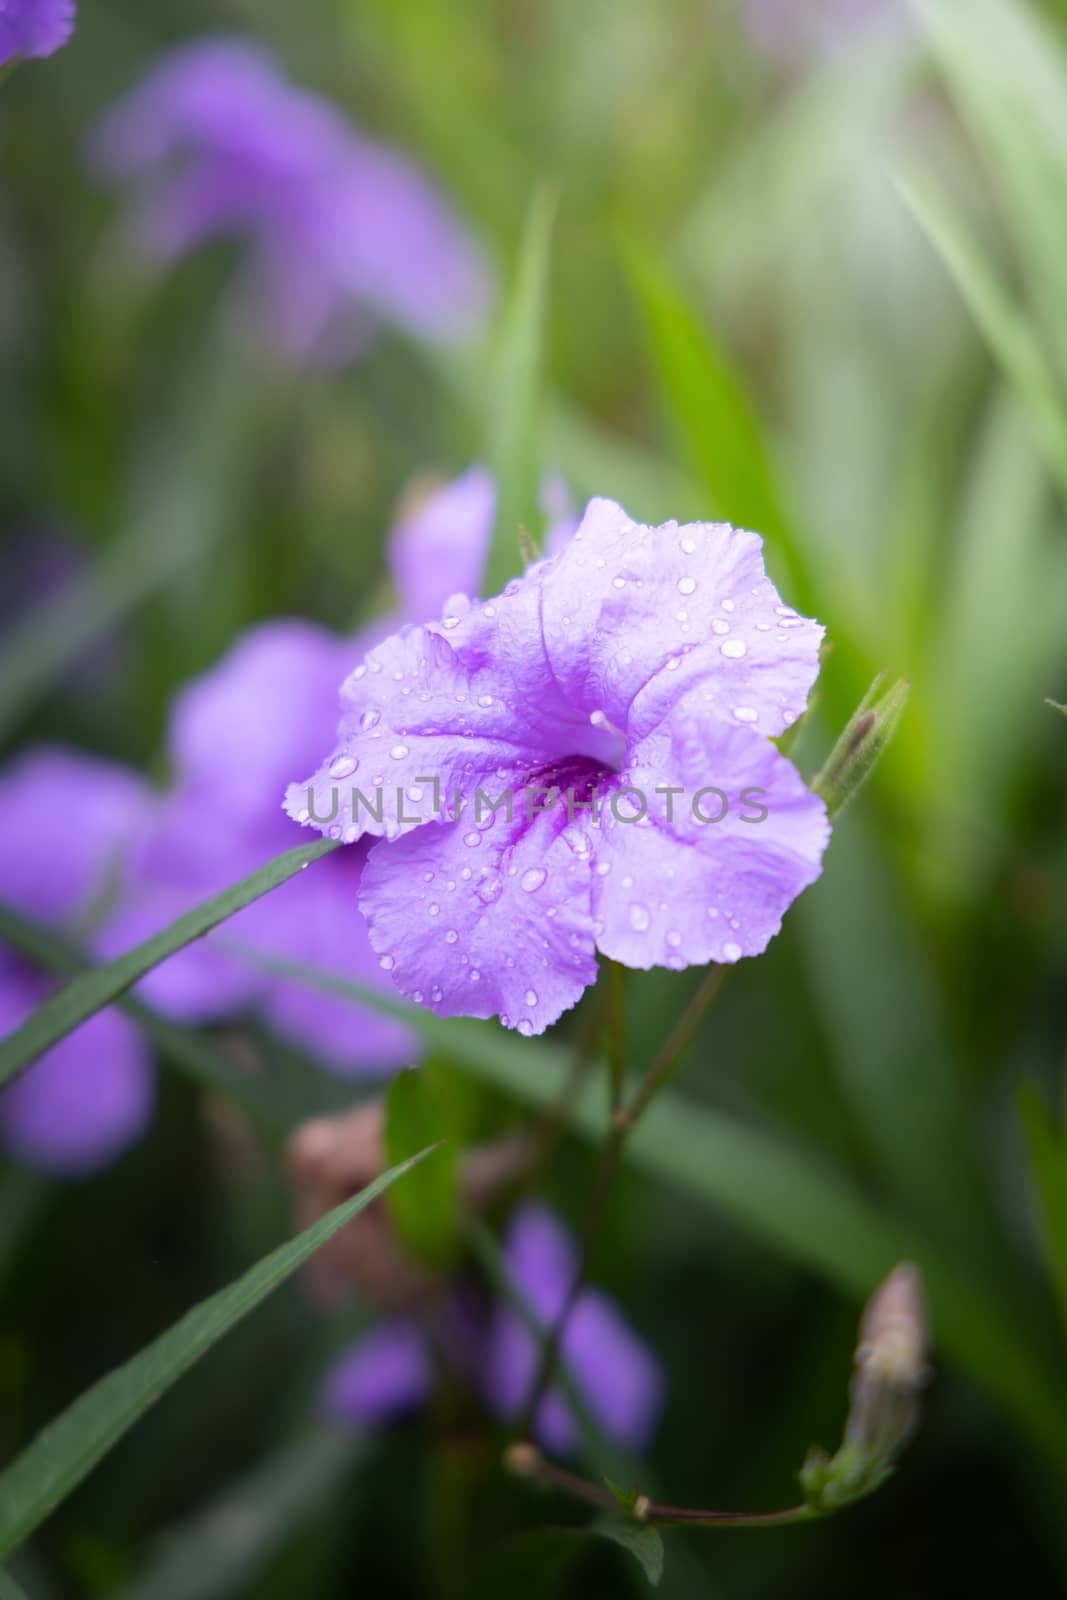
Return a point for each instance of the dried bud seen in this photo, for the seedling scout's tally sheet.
(890, 1363)
(890, 1370)
(860, 746)
(332, 1158)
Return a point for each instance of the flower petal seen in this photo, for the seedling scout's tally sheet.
(439, 548)
(386, 1374)
(684, 892)
(468, 701)
(478, 920)
(636, 616)
(85, 1101)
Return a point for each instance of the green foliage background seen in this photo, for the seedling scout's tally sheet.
(825, 301)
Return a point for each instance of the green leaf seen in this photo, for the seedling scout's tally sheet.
(219, 1551)
(1009, 335)
(93, 990)
(514, 420)
(181, 503)
(425, 1209)
(65, 1451)
(277, 1097)
(644, 1544)
(1046, 1152)
(1007, 70)
(784, 1196)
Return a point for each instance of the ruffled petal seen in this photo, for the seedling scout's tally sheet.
(635, 617)
(745, 837)
(468, 702)
(385, 1375)
(85, 1101)
(483, 919)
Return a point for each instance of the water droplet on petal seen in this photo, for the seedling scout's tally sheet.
(433, 910)
(436, 993)
(533, 879)
(387, 963)
(525, 1027)
(451, 936)
(728, 605)
(416, 995)
(639, 918)
(719, 626)
(734, 648)
(687, 585)
(688, 546)
(746, 713)
(360, 671)
(674, 938)
(472, 839)
(731, 951)
(603, 868)
(370, 719)
(531, 997)
(398, 752)
(343, 767)
(485, 700)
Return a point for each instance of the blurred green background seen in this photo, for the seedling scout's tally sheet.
(819, 292)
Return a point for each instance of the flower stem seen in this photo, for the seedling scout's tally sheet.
(624, 1116)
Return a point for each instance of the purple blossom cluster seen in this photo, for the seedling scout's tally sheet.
(342, 232)
(636, 658)
(392, 1369)
(235, 735)
(34, 27)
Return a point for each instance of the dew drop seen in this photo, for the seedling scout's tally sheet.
(687, 585)
(451, 936)
(746, 713)
(734, 648)
(720, 627)
(603, 868)
(472, 839)
(674, 939)
(731, 951)
(360, 671)
(728, 605)
(688, 546)
(436, 993)
(485, 700)
(531, 997)
(398, 752)
(370, 719)
(639, 918)
(433, 909)
(387, 963)
(525, 1027)
(618, 583)
(343, 767)
(533, 879)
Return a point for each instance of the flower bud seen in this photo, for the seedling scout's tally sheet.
(860, 746)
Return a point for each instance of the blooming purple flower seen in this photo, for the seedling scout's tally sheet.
(91, 1095)
(390, 1371)
(616, 705)
(343, 231)
(34, 27)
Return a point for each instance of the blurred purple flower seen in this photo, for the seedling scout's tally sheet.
(67, 820)
(343, 231)
(390, 1371)
(34, 27)
(236, 734)
(635, 661)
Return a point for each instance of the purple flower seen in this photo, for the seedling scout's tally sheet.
(34, 27)
(343, 232)
(67, 820)
(438, 549)
(616, 706)
(616, 1374)
(390, 1372)
(234, 734)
